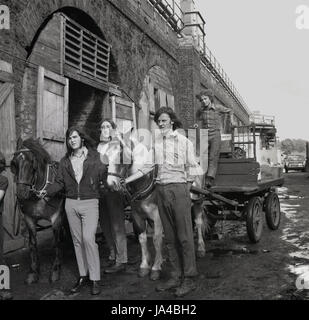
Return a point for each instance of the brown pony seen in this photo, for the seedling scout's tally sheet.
(34, 171)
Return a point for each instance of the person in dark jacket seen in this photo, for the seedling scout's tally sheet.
(79, 176)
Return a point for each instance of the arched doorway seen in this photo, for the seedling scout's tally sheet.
(69, 79)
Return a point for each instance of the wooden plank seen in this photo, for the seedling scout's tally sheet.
(53, 87)
(6, 66)
(5, 91)
(74, 58)
(238, 168)
(53, 137)
(40, 102)
(7, 146)
(235, 180)
(124, 112)
(6, 76)
(101, 85)
(124, 102)
(56, 77)
(113, 102)
(134, 115)
(52, 111)
(72, 44)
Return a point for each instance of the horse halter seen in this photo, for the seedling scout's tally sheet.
(30, 184)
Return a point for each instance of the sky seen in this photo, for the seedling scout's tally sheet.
(265, 55)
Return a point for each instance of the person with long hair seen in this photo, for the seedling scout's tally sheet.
(112, 203)
(173, 153)
(79, 176)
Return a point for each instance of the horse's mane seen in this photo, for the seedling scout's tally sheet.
(40, 153)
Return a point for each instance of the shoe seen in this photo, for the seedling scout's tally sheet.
(95, 288)
(172, 283)
(82, 281)
(186, 287)
(111, 263)
(116, 268)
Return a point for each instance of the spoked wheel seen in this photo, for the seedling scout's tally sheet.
(272, 211)
(254, 219)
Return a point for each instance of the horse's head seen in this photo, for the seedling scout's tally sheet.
(27, 166)
(24, 166)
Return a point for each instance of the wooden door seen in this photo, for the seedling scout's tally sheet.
(52, 112)
(11, 219)
(124, 114)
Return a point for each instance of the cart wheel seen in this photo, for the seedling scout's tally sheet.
(254, 219)
(272, 211)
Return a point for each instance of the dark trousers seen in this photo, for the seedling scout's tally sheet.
(175, 212)
(112, 222)
(214, 146)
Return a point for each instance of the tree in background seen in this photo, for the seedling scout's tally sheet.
(290, 146)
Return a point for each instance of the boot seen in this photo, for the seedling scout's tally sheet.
(172, 283)
(116, 268)
(186, 287)
(82, 281)
(95, 288)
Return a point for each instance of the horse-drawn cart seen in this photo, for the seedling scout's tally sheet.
(244, 203)
(244, 188)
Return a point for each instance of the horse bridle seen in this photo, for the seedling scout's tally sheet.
(139, 195)
(30, 184)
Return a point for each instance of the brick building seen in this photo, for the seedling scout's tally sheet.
(65, 62)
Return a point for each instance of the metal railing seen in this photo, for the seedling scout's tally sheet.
(170, 11)
(207, 57)
(214, 66)
(180, 21)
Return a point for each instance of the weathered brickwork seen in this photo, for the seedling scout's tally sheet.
(140, 40)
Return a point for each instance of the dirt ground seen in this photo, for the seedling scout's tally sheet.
(233, 269)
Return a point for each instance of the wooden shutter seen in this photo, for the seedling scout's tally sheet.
(12, 238)
(52, 112)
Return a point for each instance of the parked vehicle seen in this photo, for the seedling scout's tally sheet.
(295, 162)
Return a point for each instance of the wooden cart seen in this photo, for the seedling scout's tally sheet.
(244, 203)
(241, 190)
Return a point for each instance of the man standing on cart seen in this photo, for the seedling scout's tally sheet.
(209, 117)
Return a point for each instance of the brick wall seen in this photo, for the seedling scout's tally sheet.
(140, 39)
(137, 45)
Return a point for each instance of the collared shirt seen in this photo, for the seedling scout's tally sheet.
(78, 164)
(174, 154)
(210, 117)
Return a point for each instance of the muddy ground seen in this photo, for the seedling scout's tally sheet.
(232, 269)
